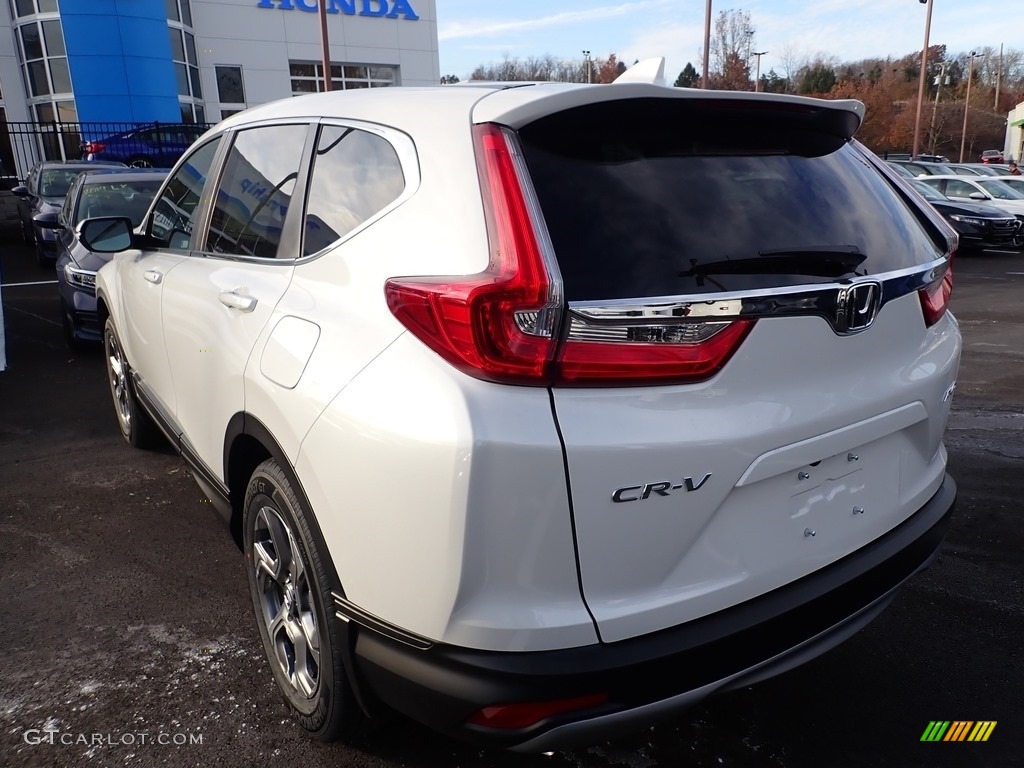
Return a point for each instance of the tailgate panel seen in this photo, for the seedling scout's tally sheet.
(683, 550)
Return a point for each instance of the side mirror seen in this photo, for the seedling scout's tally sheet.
(978, 196)
(109, 234)
(20, 191)
(47, 223)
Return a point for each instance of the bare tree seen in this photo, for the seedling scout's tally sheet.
(792, 60)
(731, 44)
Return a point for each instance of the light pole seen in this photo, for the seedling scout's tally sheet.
(707, 44)
(757, 77)
(967, 104)
(938, 92)
(586, 63)
(920, 85)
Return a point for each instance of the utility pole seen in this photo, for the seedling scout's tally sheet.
(938, 92)
(920, 85)
(707, 44)
(999, 78)
(967, 105)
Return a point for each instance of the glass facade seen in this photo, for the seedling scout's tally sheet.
(39, 45)
(186, 61)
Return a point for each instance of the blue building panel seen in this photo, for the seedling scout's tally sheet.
(119, 54)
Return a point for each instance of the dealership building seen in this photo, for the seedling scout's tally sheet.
(140, 61)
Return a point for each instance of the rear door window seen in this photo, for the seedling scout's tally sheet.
(356, 175)
(659, 197)
(255, 191)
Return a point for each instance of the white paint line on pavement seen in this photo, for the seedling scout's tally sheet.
(15, 285)
(33, 314)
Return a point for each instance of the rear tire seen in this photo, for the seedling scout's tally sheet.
(140, 162)
(289, 585)
(137, 428)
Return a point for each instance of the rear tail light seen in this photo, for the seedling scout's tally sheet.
(935, 296)
(499, 324)
(510, 324)
(523, 715)
(93, 147)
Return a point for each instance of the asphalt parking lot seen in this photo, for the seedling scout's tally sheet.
(126, 635)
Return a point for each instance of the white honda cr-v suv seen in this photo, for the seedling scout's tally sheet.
(542, 412)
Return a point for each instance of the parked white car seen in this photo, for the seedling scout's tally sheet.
(983, 189)
(543, 412)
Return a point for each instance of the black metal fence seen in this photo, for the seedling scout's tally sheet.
(22, 145)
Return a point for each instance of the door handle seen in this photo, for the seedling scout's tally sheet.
(238, 301)
(153, 276)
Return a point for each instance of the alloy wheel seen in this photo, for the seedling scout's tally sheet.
(117, 370)
(286, 603)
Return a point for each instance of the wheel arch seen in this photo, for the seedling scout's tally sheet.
(247, 444)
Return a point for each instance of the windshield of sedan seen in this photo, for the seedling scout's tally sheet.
(117, 198)
(1000, 190)
(56, 183)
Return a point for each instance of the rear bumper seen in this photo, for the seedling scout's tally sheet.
(647, 678)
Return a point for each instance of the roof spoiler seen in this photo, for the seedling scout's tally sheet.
(650, 71)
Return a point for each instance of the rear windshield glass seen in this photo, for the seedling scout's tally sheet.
(668, 197)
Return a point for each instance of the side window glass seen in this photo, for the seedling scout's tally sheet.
(175, 211)
(958, 189)
(356, 174)
(66, 210)
(256, 190)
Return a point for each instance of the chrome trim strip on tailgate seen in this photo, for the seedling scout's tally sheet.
(826, 300)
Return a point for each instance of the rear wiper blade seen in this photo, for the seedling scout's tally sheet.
(815, 261)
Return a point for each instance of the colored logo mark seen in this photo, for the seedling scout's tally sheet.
(958, 730)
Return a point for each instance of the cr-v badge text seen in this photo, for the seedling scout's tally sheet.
(664, 488)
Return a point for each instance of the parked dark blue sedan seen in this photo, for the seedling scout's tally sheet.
(152, 146)
(125, 192)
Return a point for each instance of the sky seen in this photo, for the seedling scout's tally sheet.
(473, 32)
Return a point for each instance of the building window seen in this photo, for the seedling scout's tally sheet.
(308, 76)
(42, 54)
(31, 7)
(39, 46)
(186, 61)
(230, 90)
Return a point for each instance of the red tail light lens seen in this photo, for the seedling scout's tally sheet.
(92, 147)
(499, 324)
(505, 324)
(516, 716)
(935, 296)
